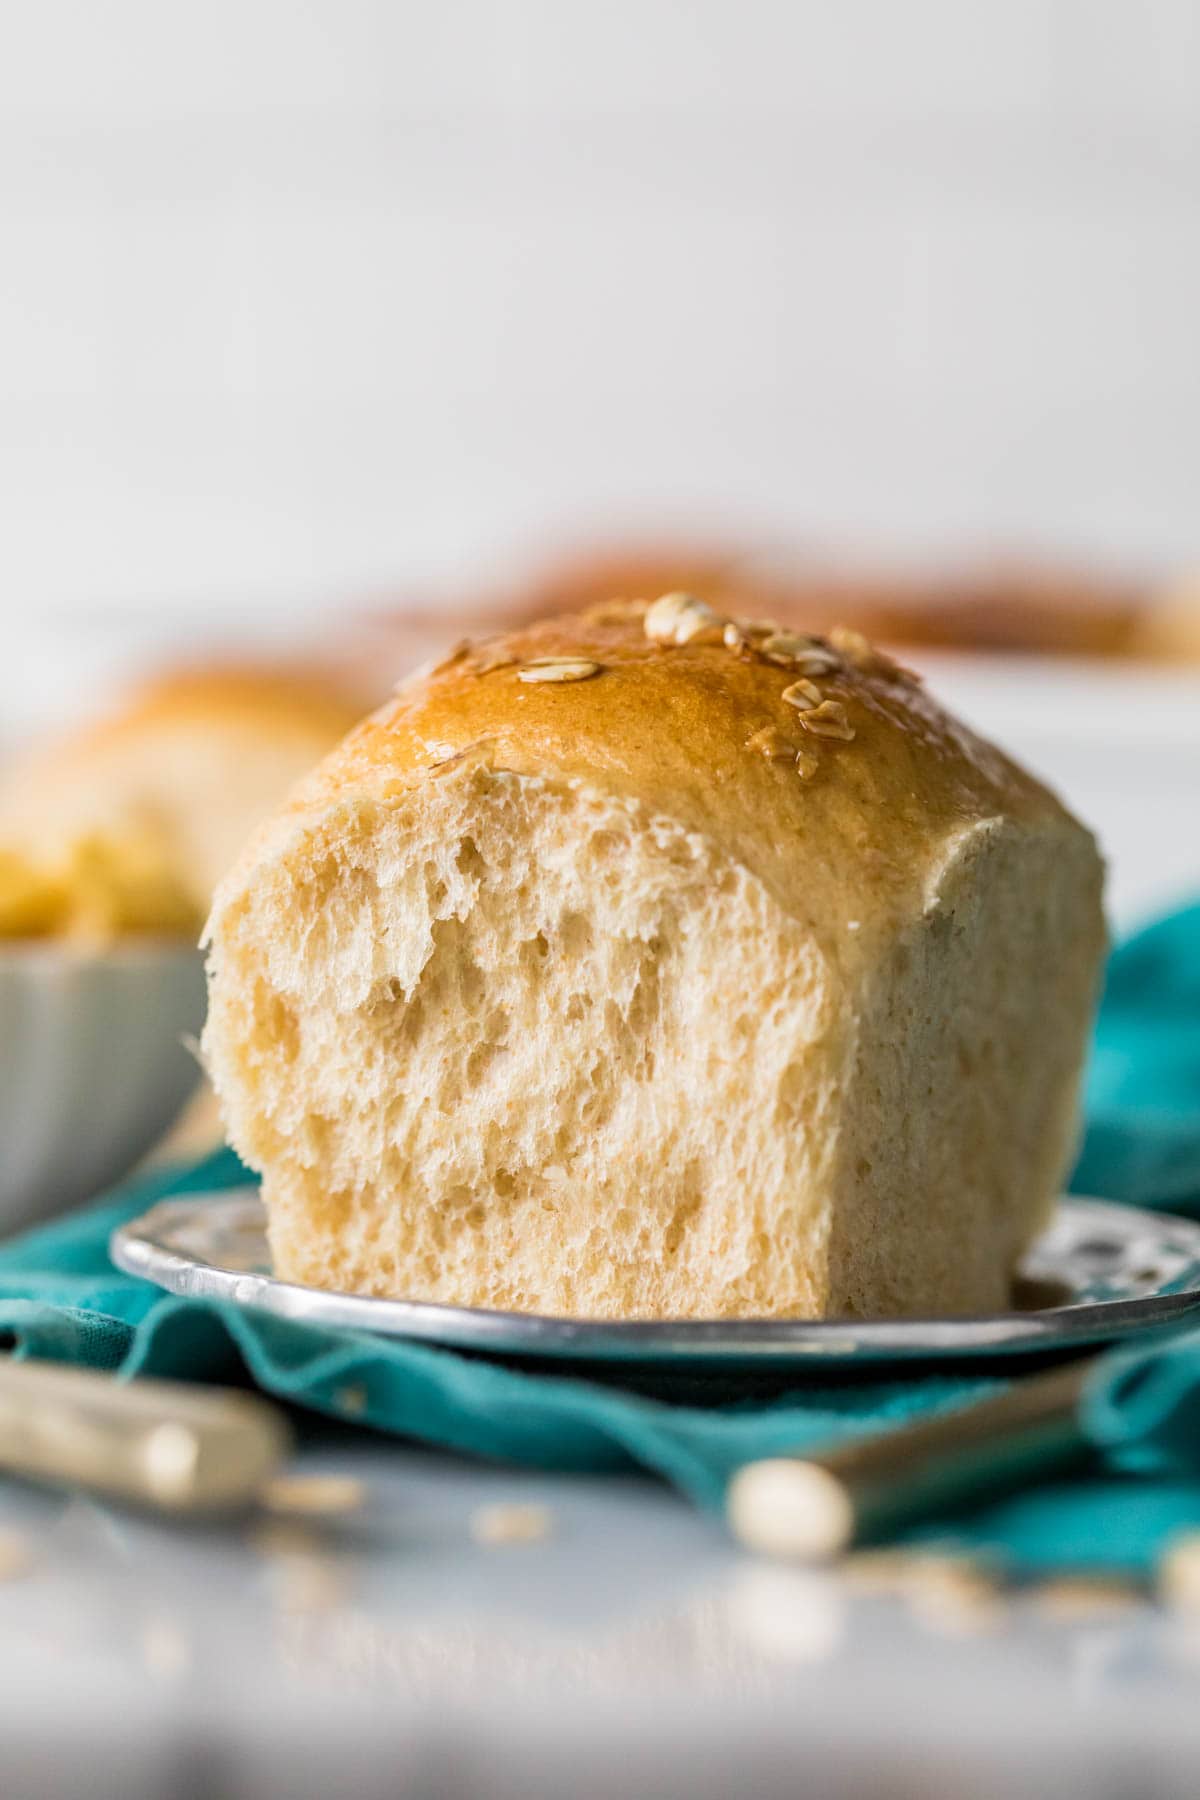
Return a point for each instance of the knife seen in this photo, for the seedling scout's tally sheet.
(818, 1505)
(170, 1446)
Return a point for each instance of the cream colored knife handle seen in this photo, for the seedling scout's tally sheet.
(167, 1445)
(820, 1504)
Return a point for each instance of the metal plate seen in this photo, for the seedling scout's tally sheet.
(1100, 1271)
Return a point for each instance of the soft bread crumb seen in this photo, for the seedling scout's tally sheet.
(526, 1047)
(417, 970)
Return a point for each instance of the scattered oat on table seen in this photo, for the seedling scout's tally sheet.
(279, 1538)
(955, 1595)
(878, 1571)
(1070, 1597)
(302, 1576)
(165, 1649)
(511, 1523)
(318, 1496)
(1179, 1574)
(16, 1555)
(301, 1584)
(959, 1596)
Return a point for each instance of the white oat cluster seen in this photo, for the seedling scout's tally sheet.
(558, 668)
(683, 619)
(678, 619)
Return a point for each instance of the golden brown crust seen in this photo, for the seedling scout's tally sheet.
(837, 792)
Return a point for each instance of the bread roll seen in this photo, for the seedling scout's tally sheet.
(184, 769)
(1010, 606)
(1169, 628)
(637, 965)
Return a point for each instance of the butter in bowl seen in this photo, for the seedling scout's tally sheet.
(112, 838)
(101, 986)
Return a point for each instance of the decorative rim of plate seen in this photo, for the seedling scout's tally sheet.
(1122, 1268)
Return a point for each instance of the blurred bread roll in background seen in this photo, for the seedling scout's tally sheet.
(127, 821)
(1024, 606)
(1169, 630)
(121, 828)
(655, 964)
(167, 785)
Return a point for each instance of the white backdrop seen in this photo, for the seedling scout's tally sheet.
(301, 297)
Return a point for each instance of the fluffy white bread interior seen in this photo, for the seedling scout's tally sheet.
(519, 1038)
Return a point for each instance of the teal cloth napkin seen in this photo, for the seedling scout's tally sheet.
(1143, 1095)
(60, 1297)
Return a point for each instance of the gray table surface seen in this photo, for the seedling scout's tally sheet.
(631, 1649)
